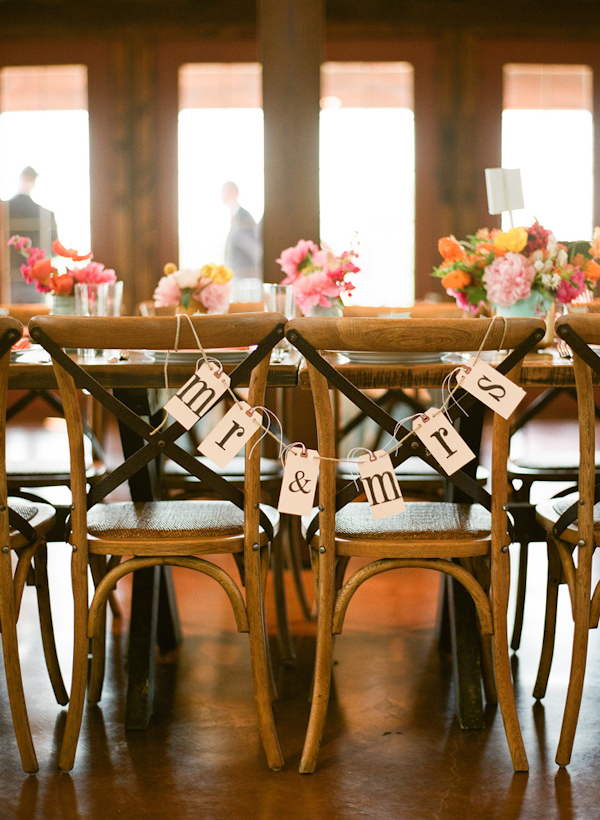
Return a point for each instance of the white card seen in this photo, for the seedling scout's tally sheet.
(443, 442)
(225, 440)
(299, 482)
(198, 395)
(381, 485)
(492, 388)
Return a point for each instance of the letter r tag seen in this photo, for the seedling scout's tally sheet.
(225, 440)
(299, 482)
(381, 485)
(198, 395)
(492, 388)
(443, 442)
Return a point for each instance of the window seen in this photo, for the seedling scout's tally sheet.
(367, 174)
(547, 132)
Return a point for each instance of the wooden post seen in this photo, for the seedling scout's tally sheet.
(290, 36)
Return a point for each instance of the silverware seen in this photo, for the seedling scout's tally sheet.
(564, 351)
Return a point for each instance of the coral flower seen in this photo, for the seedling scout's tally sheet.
(62, 284)
(60, 250)
(456, 279)
(451, 249)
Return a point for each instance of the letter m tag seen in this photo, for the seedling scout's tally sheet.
(198, 395)
(229, 436)
(381, 485)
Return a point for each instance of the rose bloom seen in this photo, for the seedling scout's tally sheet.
(40, 272)
(451, 249)
(569, 290)
(167, 292)
(222, 275)
(292, 258)
(316, 289)
(214, 297)
(508, 279)
(456, 279)
(513, 240)
(94, 273)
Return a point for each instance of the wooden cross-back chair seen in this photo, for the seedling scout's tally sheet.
(425, 535)
(24, 526)
(572, 524)
(167, 532)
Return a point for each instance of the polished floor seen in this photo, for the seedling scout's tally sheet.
(392, 748)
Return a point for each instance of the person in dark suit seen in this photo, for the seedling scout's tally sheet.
(242, 246)
(27, 218)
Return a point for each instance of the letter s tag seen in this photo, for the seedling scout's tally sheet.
(299, 482)
(492, 388)
(381, 485)
(442, 440)
(228, 437)
(198, 395)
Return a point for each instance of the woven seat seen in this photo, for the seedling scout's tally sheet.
(158, 533)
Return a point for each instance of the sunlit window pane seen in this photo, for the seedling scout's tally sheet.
(367, 175)
(547, 132)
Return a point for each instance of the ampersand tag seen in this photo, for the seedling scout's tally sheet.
(299, 482)
(442, 440)
(198, 394)
(225, 440)
(492, 388)
(381, 485)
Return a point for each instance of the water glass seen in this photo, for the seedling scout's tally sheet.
(280, 299)
(90, 300)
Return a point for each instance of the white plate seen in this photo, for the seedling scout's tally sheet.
(225, 356)
(390, 357)
(33, 353)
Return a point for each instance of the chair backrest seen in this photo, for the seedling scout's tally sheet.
(24, 312)
(420, 310)
(409, 336)
(259, 332)
(580, 331)
(148, 308)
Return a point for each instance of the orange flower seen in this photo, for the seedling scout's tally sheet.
(595, 246)
(60, 250)
(484, 247)
(456, 279)
(62, 284)
(41, 271)
(592, 270)
(451, 249)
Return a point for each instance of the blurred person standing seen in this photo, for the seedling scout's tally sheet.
(27, 218)
(243, 253)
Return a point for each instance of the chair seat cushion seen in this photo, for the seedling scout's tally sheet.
(40, 516)
(548, 461)
(430, 530)
(169, 521)
(269, 467)
(548, 513)
(413, 468)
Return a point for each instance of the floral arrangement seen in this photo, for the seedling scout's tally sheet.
(317, 276)
(203, 290)
(38, 270)
(503, 268)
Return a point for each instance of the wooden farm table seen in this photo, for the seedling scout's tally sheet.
(139, 382)
(541, 369)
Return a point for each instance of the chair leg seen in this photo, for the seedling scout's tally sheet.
(520, 600)
(46, 626)
(286, 644)
(554, 579)
(323, 665)
(96, 679)
(66, 758)
(504, 683)
(259, 660)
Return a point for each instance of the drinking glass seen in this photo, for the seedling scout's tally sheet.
(279, 299)
(90, 300)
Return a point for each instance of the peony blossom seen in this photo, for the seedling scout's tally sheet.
(94, 273)
(187, 278)
(167, 292)
(571, 289)
(294, 260)
(316, 289)
(508, 279)
(215, 297)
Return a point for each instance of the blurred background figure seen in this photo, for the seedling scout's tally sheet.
(243, 251)
(27, 218)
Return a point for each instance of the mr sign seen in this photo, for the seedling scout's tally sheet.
(443, 442)
(198, 394)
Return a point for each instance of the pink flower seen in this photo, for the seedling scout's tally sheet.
(19, 242)
(569, 290)
(508, 279)
(94, 273)
(167, 292)
(316, 289)
(292, 260)
(214, 297)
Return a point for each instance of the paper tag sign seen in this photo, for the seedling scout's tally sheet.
(229, 436)
(198, 395)
(443, 442)
(299, 482)
(381, 485)
(490, 387)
